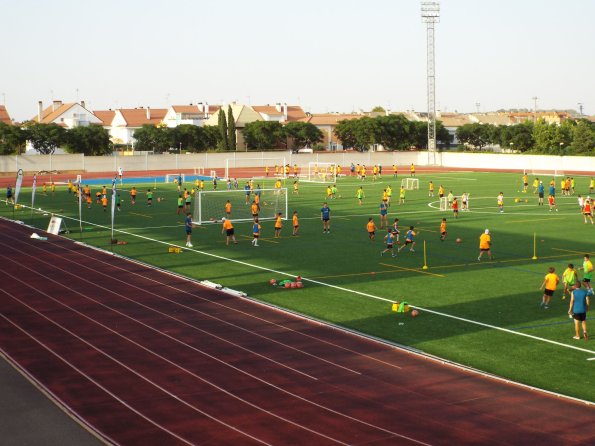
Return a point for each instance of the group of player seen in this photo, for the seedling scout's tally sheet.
(578, 291)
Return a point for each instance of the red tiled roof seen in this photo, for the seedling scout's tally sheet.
(186, 109)
(137, 117)
(4, 116)
(49, 114)
(105, 116)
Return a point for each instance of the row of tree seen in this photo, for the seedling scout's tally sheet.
(393, 132)
(45, 138)
(570, 137)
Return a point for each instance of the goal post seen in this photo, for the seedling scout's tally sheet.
(321, 172)
(410, 183)
(173, 177)
(209, 206)
(254, 167)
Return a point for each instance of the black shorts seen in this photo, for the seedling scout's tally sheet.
(230, 232)
(256, 235)
(586, 280)
(188, 231)
(389, 246)
(484, 249)
(443, 233)
(540, 194)
(408, 241)
(548, 292)
(180, 206)
(371, 234)
(580, 316)
(325, 219)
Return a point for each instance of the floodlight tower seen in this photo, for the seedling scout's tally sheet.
(430, 14)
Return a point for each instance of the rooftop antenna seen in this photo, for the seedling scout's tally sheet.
(580, 107)
(477, 106)
(430, 14)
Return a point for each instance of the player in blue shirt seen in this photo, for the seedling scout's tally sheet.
(325, 216)
(188, 228)
(579, 304)
(389, 239)
(247, 191)
(541, 191)
(409, 239)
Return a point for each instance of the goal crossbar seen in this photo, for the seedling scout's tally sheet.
(210, 206)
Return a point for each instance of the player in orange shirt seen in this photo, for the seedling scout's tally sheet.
(443, 229)
(104, 202)
(371, 227)
(228, 209)
(296, 223)
(550, 283)
(229, 232)
(485, 243)
(254, 208)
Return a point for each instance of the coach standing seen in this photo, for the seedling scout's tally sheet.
(579, 304)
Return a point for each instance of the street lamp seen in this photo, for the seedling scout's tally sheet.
(180, 147)
(511, 144)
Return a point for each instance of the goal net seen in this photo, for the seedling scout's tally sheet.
(321, 172)
(209, 206)
(410, 183)
(254, 167)
(545, 173)
(462, 201)
(173, 177)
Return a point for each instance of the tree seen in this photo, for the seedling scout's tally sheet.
(544, 135)
(583, 141)
(90, 140)
(151, 138)
(394, 132)
(12, 139)
(222, 125)
(378, 109)
(211, 136)
(263, 135)
(45, 138)
(304, 134)
(231, 130)
(476, 135)
(345, 130)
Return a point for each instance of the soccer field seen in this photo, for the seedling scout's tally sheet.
(484, 314)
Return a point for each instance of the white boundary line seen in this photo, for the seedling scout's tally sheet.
(360, 293)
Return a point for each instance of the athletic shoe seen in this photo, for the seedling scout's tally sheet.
(479, 259)
(546, 307)
(190, 245)
(381, 254)
(394, 255)
(576, 337)
(412, 250)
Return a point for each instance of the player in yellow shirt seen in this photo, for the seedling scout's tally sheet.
(412, 170)
(394, 171)
(329, 192)
(296, 223)
(266, 171)
(278, 225)
(228, 209)
(374, 172)
(535, 185)
(485, 244)
(431, 189)
(296, 188)
(440, 191)
(525, 183)
(550, 283)
(254, 209)
(362, 173)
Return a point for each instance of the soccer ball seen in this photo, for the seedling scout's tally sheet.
(414, 313)
(516, 200)
(458, 240)
(526, 200)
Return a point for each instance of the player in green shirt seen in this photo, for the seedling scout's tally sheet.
(569, 278)
(360, 195)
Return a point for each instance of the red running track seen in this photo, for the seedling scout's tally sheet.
(144, 357)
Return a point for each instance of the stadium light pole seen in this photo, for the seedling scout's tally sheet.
(430, 14)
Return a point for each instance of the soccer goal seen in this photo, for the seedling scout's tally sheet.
(199, 171)
(209, 206)
(321, 172)
(410, 183)
(254, 167)
(173, 177)
(545, 173)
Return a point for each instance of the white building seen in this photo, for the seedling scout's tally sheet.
(67, 115)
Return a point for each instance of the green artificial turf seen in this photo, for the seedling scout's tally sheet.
(347, 282)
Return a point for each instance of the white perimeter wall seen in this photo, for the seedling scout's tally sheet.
(452, 160)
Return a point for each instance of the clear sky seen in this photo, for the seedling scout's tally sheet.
(325, 55)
